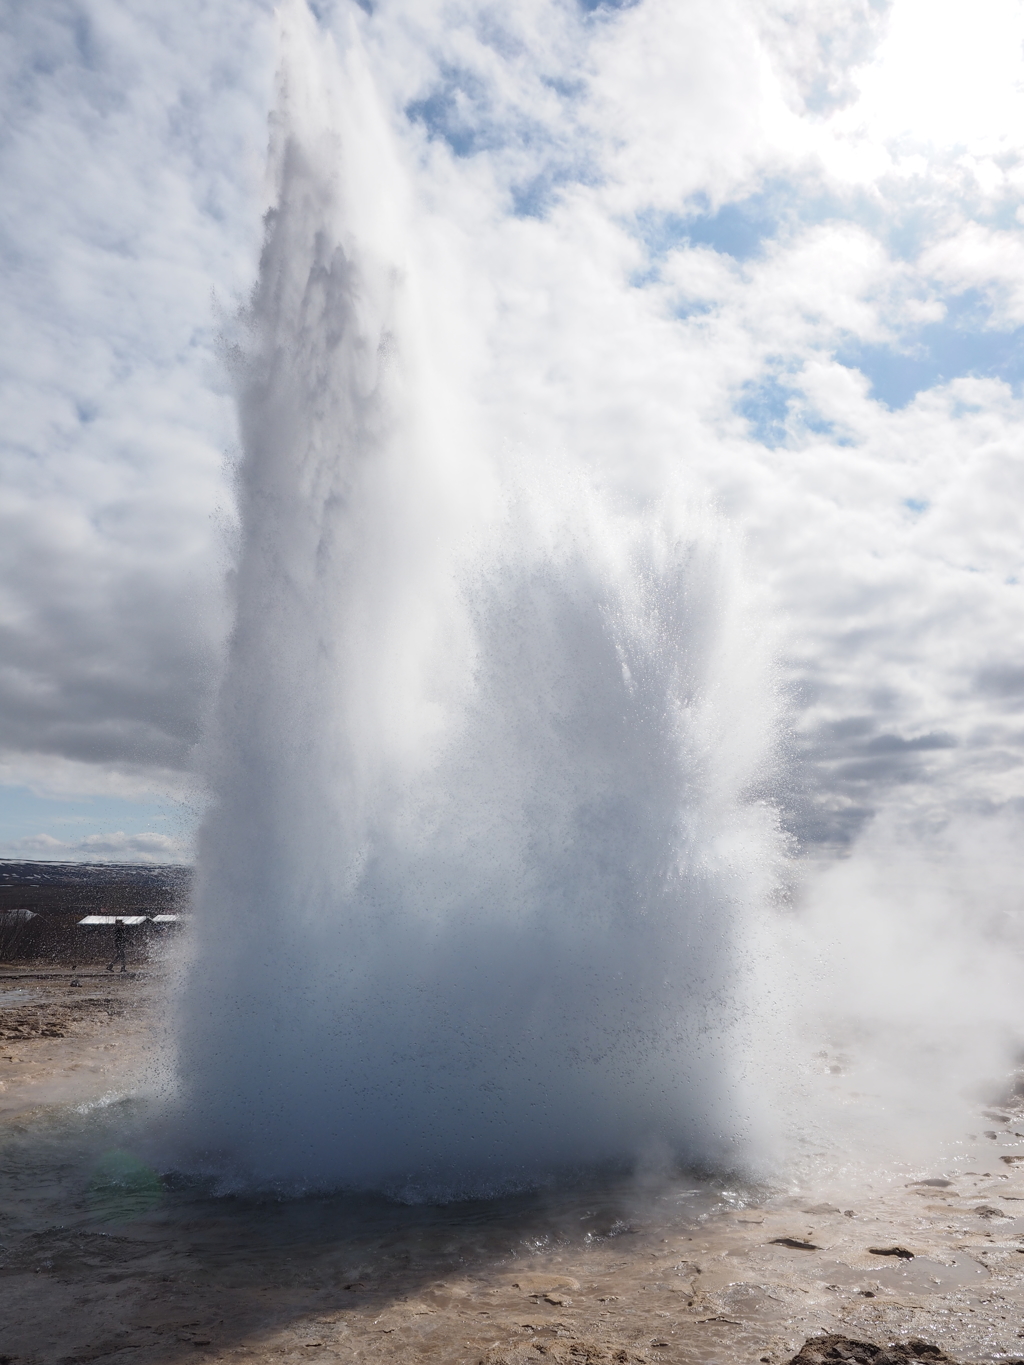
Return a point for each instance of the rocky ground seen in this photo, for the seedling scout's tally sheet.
(103, 1258)
(64, 1032)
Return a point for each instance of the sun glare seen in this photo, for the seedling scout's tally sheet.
(947, 75)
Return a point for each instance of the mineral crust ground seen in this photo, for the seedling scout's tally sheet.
(105, 1257)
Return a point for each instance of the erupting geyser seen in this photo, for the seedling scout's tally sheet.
(479, 883)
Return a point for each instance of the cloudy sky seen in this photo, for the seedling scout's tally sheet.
(775, 244)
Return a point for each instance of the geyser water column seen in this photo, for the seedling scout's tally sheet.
(478, 884)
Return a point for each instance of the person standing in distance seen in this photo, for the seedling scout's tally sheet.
(120, 937)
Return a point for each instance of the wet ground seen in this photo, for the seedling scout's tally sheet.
(105, 1257)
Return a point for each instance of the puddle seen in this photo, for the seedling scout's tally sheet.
(19, 995)
(922, 1274)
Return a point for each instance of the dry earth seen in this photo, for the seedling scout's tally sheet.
(101, 1259)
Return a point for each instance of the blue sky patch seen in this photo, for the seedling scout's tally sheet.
(689, 308)
(940, 351)
(774, 408)
(459, 113)
(533, 198)
(23, 815)
(444, 114)
(765, 405)
(739, 230)
(742, 229)
(596, 6)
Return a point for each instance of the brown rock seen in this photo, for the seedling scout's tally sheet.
(834, 1349)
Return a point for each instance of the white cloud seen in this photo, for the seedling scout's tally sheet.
(885, 535)
(983, 258)
(130, 160)
(116, 847)
(54, 775)
(547, 149)
(945, 75)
